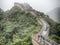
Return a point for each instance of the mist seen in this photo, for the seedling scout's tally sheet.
(40, 5)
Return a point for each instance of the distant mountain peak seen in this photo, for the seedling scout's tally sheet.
(55, 14)
(23, 6)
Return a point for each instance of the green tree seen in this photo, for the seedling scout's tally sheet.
(57, 27)
(1, 14)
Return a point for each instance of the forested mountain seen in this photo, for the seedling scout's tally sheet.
(16, 27)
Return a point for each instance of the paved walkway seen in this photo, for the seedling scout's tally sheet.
(44, 33)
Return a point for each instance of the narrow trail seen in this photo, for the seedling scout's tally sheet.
(45, 32)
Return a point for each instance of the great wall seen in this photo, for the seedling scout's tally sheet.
(41, 21)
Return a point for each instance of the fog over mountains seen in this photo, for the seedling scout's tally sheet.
(55, 14)
(23, 6)
(45, 6)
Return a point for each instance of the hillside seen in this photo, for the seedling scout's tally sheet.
(55, 14)
(16, 27)
(54, 29)
(18, 24)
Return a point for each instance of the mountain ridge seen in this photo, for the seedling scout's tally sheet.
(55, 14)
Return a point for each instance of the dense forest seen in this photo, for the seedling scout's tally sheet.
(16, 27)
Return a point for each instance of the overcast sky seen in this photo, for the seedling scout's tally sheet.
(40, 5)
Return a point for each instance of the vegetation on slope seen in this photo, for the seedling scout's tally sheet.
(54, 28)
(16, 27)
